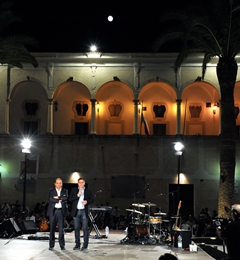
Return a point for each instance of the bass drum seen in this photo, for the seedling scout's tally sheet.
(136, 231)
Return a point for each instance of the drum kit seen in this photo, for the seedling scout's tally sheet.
(146, 227)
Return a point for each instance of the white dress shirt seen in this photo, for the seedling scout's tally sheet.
(80, 201)
(58, 205)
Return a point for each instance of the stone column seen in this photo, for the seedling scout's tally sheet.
(220, 117)
(93, 118)
(8, 100)
(50, 117)
(179, 101)
(135, 121)
(7, 116)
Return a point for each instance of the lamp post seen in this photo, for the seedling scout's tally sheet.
(26, 144)
(178, 147)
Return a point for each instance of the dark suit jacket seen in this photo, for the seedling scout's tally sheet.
(63, 197)
(73, 199)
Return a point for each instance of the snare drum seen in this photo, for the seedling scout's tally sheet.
(155, 220)
(136, 231)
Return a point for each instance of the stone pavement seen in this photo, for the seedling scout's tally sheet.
(35, 247)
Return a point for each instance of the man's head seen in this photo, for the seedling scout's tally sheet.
(167, 256)
(235, 210)
(81, 183)
(58, 183)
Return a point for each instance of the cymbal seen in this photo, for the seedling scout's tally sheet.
(138, 205)
(160, 213)
(134, 211)
(149, 204)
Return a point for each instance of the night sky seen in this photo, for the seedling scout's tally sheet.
(73, 25)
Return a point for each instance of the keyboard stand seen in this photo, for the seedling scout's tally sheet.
(98, 234)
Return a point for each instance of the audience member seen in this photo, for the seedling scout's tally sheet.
(167, 256)
(232, 233)
(116, 217)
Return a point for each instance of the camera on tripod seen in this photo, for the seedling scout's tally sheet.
(221, 222)
(217, 223)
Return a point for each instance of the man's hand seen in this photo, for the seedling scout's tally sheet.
(79, 192)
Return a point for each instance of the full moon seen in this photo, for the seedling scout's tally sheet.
(110, 18)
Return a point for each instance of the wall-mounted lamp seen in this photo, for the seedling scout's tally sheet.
(0, 173)
(215, 106)
(98, 106)
(139, 107)
(93, 52)
(55, 104)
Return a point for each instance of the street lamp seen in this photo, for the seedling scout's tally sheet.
(178, 147)
(26, 144)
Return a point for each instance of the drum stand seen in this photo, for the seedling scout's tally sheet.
(149, 233)
(151, 239)
(163, 235)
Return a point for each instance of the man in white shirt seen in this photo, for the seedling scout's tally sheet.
(81, 197)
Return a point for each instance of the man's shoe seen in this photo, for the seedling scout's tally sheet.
(76, 247)
(50, 248)
(63, 248)
(83, 248)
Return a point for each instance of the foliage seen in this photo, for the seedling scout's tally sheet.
(211, 28)
(12, 47)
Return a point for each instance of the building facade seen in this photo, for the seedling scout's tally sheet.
(87, 115)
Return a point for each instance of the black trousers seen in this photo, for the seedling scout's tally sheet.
(57, 218)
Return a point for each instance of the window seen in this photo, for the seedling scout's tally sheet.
(159, 110)
(81, 109)
(195, 111)
(31, 108)
(115, 110)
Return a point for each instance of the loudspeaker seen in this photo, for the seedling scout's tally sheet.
(29, 227)
(186, 238)
(10, 227)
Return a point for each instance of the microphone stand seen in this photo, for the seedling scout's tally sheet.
(161, 194)
(97, 193)
(134, 199)
(134, 195)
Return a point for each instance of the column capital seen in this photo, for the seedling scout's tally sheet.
(50, 100)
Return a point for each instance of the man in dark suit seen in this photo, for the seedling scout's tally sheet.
(57, 212)
(80, 198)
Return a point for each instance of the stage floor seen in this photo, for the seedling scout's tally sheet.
(35, 247)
